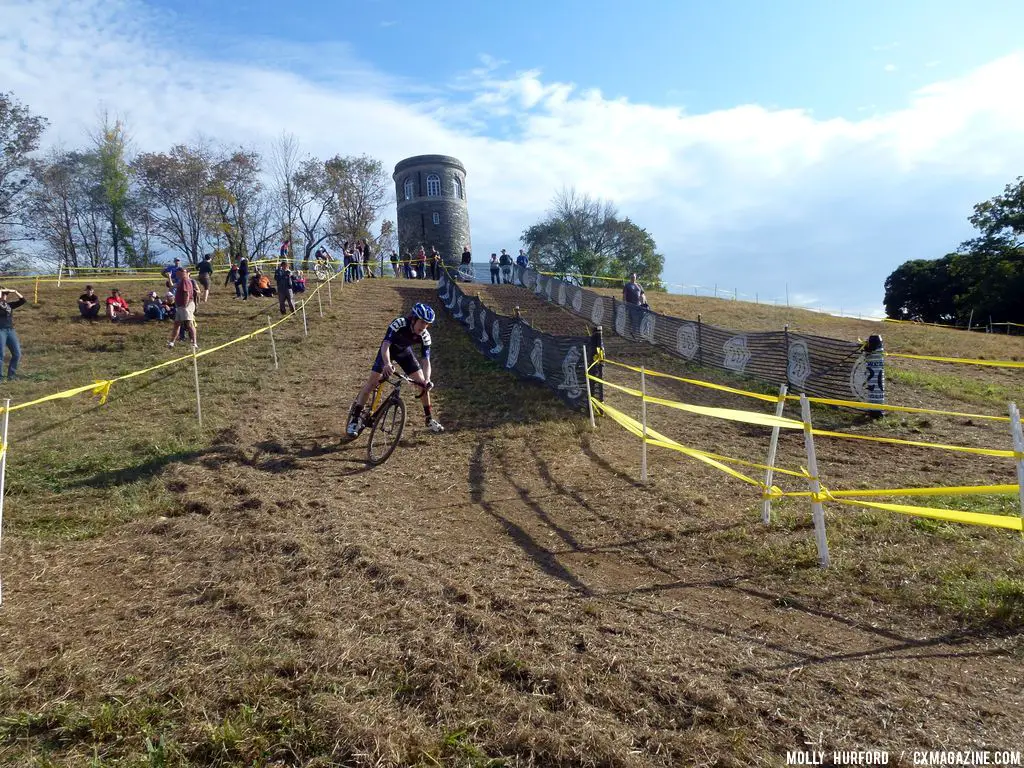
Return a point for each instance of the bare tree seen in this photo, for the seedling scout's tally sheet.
(237, 206)
(364, 190)
(285, 161)
(175, 186)
(317, 198)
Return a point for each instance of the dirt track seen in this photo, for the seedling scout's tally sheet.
(506, 589)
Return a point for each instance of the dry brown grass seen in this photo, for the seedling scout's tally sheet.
(506, 594)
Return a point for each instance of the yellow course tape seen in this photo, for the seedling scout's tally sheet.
(952, 515)
(964, 360)
(919, 444)
(958, 490)
(819, 400)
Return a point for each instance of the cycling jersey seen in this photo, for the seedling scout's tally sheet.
(402, 339)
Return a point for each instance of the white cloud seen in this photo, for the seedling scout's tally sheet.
(749, 197)
(889, 67)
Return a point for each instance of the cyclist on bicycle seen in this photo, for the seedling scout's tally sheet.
(402, 333)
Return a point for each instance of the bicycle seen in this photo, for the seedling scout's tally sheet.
(385, 418)
(322, 269)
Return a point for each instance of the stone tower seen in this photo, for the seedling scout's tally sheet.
(432, 211)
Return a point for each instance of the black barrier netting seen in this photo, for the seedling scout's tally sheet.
(558, 362)
(812, 364)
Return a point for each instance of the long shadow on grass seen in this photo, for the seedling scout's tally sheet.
(275, 457)
(543, 557)
(142, 471)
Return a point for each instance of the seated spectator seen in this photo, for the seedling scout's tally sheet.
(117, 306)
(153, 308)
(168, 303)
(299, 282)
(89, 304)
(171, 273)
(259, 284)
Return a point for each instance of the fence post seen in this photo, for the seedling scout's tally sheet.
(817, 511)
(643, 422)
(330, 297)
(60, 271)
(3, 478)
(305, 328)
(35, 294)
(785, 341)
(773, 446)
(586, 378)
(700, 342)
(273, 344)
(597, 339)
(195, 372)
(319, 301)
(1015, 430)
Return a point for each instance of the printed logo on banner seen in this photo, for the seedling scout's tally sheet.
(537, 358)
(577, 300)
(483, 326)
(561, 294)
(859, 379)
(597, 311)
(799, 367)
(686, 340)
(867, 379)
(539, 287)
(457, 312)
(496, 335)
(620, 319)
(470, 319)
(514, 342)
(549, 288)
(647, 327)
(570, 379)
(736, 353)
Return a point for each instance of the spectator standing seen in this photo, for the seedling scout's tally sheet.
(394, 262)
(421, 262)
(117, 305)
(522, 259)
(367, 258)
(635, 299)
(242, 281)
(505, 260)
(435, 263)
(495, 279)
(467, 257)
(89, 304)
(184, 310)
(232, 278)
(8, 336)
(283, 279)
(171, 272)
(206, 275)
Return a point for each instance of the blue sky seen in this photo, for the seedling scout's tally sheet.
(765, 145)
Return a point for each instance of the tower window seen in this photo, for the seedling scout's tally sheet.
(433, 185)
(409, 189)
(458, 187)
(437, 218)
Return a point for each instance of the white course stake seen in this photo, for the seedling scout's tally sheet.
(586, 378)
(273, 344)
(305, 328)
(817, 511)
(195, 371)
(320, 302)
(3, 478)
(60, 271)
(643, 422)
(773, 446)
(330, 298)
(1018, 447)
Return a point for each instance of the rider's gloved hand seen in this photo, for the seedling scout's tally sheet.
(428, 386)
(387, 370)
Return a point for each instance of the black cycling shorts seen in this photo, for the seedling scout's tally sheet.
(405, 358)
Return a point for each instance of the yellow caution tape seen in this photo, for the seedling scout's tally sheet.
(958, 490)
(919, 444)
(964, 360)
(730, 414)
(951, 515)
(819, 400)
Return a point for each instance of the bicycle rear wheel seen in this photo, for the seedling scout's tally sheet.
(320, 271)
(388, 424)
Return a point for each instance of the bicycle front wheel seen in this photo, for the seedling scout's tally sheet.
(320, 271)
(388, 424)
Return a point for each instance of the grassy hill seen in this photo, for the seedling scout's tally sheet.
(508, 593)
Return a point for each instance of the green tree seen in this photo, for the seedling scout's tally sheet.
(362, 190)
(585, 236)
(20, 131)
(114, 187)
(983, 278)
